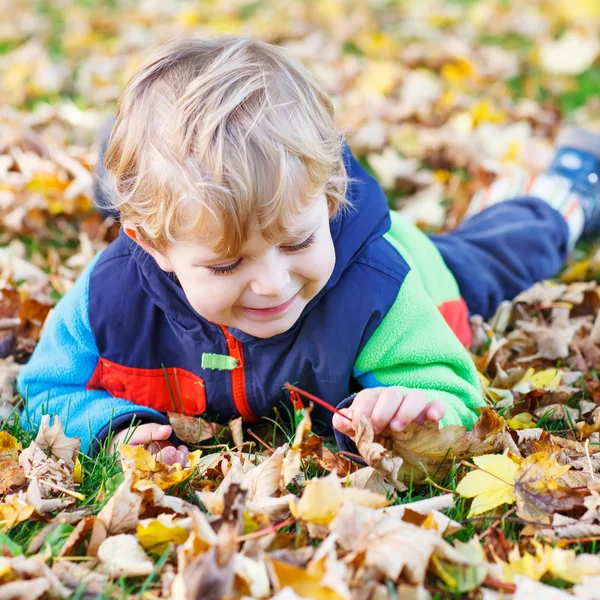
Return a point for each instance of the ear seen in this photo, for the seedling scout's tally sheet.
(161, 259)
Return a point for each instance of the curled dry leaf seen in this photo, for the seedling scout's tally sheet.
(12, 475)
(377, 456)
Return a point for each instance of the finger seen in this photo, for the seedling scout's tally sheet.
(149, 432)
(167, 455)
(434, 411)
(156, 447)
(182, 456)
(343, 425)
(363, 405)
(412, 405)
(389, 401)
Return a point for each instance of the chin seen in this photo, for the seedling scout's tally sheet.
(267, 330)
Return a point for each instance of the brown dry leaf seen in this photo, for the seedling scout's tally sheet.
(292, 461)
(389, 545)
(78, 535)
(123, 556)
(143, 466)
(538, 489)
(428, 449)
(264, 480)
(11, 475)
(377, 456)
(121, 513)
(36, 463)
(53, 438)
(194, 430)
(368, 478)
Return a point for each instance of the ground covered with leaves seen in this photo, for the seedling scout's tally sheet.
(438, 99)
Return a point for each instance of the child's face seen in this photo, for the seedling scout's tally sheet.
(263, 290)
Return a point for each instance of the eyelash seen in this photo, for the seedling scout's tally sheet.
(307, 243)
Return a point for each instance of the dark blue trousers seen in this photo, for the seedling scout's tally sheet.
(503, 250)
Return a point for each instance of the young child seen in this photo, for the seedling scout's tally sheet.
(255, 251)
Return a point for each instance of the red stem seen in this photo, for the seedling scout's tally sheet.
(310, 396)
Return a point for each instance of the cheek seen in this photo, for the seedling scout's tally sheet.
(319, 264)
(209, 297)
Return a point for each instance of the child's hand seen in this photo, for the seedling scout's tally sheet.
(388, 408)
(154, 438)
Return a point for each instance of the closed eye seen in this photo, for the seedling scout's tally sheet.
(307, 243)
(224, 270)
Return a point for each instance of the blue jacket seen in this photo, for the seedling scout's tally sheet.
(124, 342)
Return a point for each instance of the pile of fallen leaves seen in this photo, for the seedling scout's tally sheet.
(243, 524)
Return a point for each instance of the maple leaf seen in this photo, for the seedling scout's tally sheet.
(539, 491)
(491, 484)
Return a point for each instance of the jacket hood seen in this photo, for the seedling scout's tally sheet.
(366, 219)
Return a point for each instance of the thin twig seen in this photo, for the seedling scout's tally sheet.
(266, 531)
(517, 520)
(314, 398)
(497, 522)
(509, 587)
(258, 439)
(53, 486)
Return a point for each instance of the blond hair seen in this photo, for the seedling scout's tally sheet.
(229, 127)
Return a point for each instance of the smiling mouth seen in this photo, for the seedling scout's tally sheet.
(274, 310)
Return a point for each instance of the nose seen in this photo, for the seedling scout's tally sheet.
(271, 277)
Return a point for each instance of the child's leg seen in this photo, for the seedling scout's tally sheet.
(520, 230)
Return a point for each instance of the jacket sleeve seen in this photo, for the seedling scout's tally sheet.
(414, 348)
(55, 378)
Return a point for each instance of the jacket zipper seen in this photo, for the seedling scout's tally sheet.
(238, 378)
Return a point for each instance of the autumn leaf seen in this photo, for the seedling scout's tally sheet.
(429, 449)
(377, 456)
(143, 466)
(303, 584)
(491, 484)
(194, 430)
(53, 438)
(156, 534)
(9, 445)
(123, 556)
(539, 491)
(323, 498)
(11, 475)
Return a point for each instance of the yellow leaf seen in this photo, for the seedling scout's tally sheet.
(142, 465)
(379, 76)
(157, 534)
(323, 498)
(9, 445)
(521, 421)
(483, 110)
(303, 583)
(14, 512)
(491, 485)
(533, 566)
(77, 472)
(548, 379)
(459, 70)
